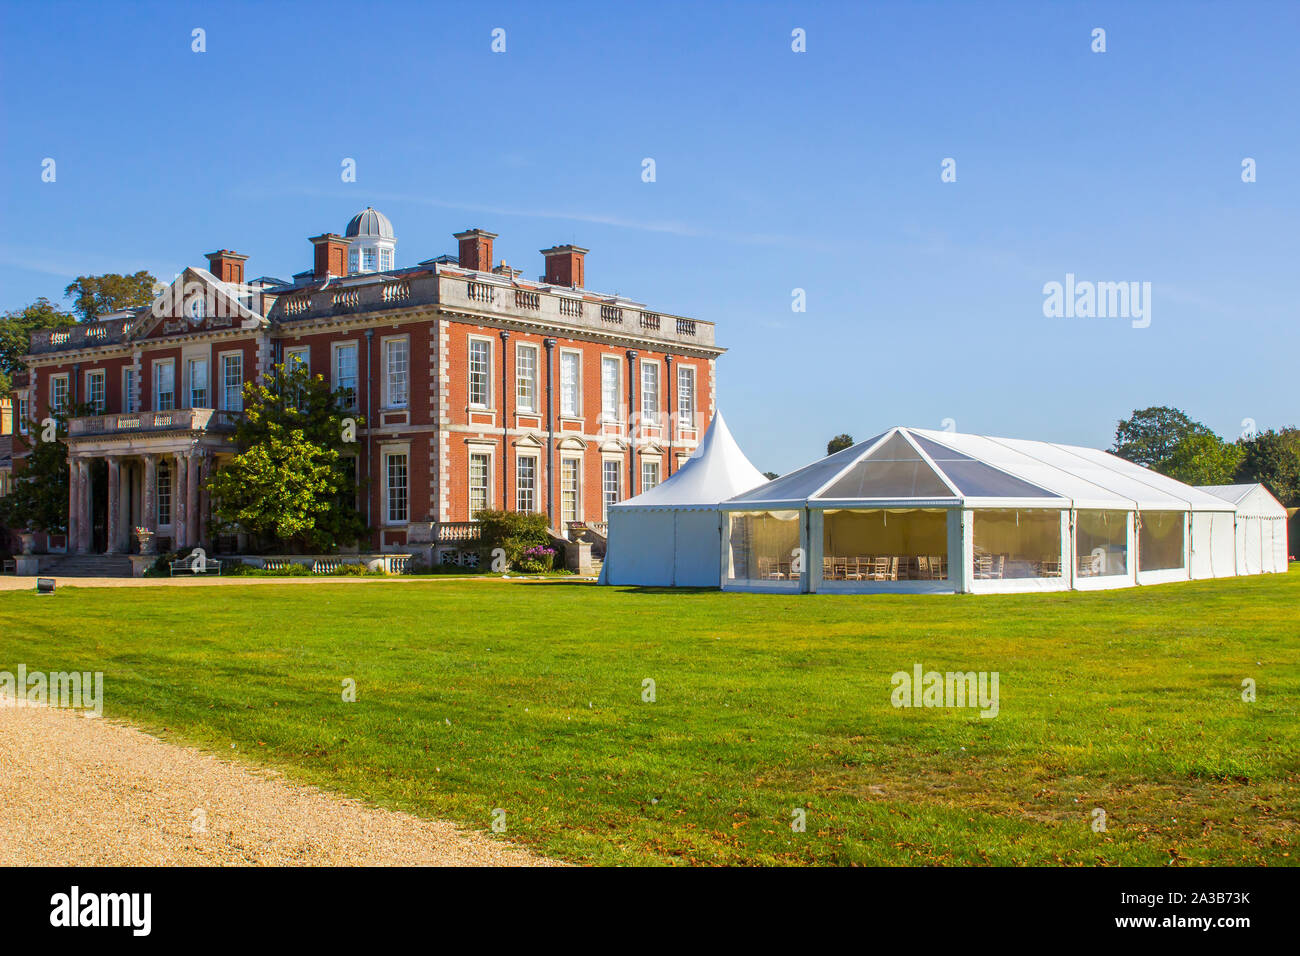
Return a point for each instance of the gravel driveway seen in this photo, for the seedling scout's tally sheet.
(84, 791)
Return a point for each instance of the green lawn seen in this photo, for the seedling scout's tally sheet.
(474, 695)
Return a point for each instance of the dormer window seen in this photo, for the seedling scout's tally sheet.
(194, 309)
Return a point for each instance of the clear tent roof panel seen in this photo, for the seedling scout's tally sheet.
(803, 482)
(978, 479)
(894, 470)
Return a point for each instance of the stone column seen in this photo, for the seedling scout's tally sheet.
(114, 504)
(180, 513)
(205, 499)
(193, 526)
(83, 514)
(74, 504)
(149, 506)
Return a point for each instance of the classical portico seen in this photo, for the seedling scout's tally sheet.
(144, 469)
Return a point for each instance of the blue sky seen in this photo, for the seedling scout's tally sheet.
(775, 170)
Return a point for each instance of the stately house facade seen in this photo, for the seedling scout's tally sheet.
(476, 389)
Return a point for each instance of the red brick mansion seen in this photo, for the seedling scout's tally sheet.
(478, 389)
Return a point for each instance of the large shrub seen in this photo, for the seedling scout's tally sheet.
(512, 531)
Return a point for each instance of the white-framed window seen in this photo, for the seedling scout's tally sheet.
(298, 356)
(480, 372)
(385, 260)
(397, 372)
(232, 382)
(649, 391)
(368, 259)
(649, 473)
(164, 492)
(570, 488)
(686, 395)
(525, 482)
(22, 415)
(58, 392)
(164, 385)
(480, 482)
(570, 376)
(609, 376)
(611, 484)
(345, 372)
(97, 390)
(353, 261)
(195, 308)
(395, 487)
(525, 378)
(128, 391)
(197, 373)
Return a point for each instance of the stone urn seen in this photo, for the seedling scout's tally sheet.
(27, 540)
(146, 539)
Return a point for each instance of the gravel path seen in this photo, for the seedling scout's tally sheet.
(84, 791)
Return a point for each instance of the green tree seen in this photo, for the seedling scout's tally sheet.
(95, 295)
(1152, 434)
(16, 330)
(771, 475)
(1273, 458)
(38, 498)
(1203, 459)
(839, 443)
(292, 480)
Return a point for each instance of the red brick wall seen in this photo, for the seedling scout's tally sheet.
(590, 406)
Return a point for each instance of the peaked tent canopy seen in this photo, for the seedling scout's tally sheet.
(671, 535)
(1261, 528)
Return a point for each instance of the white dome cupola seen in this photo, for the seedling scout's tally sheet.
(371, 246)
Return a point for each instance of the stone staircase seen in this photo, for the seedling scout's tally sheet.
(90, 566)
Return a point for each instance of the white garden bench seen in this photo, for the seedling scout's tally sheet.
(187, 566)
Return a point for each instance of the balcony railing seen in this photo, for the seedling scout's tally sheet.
(455, 531)
(500, 298)
(181, 419)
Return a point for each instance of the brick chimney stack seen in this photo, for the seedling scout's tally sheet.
(331, 255)
(476, 249)
(227, 266)
(565, 266)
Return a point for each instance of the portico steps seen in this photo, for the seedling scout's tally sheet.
(91, 566)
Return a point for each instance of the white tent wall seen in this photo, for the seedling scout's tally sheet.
(1279, 546)
(1163, 575)
(1250, 532)
(1213, 552)
(760, 548)
(639, 552)
(1010, 585)
(1265, 545)
(817, 582)
(1104, 581)
(697, 548)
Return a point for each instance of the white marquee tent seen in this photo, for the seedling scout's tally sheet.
(1261, 527)
(920, 510)
(670, 536)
